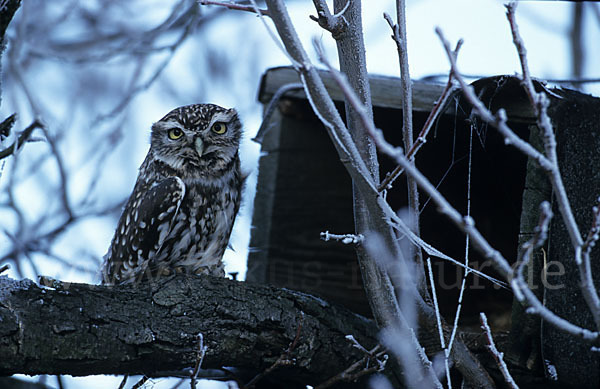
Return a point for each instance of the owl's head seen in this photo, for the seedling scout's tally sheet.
(202, 138)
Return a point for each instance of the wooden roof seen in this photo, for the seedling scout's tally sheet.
(386, 92)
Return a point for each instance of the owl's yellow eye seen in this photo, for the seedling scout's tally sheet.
(175, 133)
(219, 128)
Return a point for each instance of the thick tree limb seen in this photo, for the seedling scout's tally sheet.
(152, 329)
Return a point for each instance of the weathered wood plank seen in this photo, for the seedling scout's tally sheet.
(386, 92)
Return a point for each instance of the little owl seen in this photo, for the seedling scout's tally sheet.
(179, 217)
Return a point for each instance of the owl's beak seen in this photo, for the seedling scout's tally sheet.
(199, 146)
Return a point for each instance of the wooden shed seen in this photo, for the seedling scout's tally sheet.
(303, 190)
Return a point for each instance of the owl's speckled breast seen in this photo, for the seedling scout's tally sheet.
(181, 212)
(201, 229)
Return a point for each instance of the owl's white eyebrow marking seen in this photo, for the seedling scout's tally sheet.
(169, 124)
(222, 117)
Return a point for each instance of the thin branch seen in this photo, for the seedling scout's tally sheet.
(399, 36)
(439, 323)
(498, 356)
(62, 171)
(199, 358)
(359, 368)
(135, 90)
(141, 382)
(4, 268)
(560, 81)
(344, 238)
(281, 92)
(467, 241)
(399, 336)
(467, 225)
(498, 120)
(594, 232)
(273, 36)
(283, 360)
(22, 138)
(342, 82)
(540, 104)
(235, 6)
(382, 297)
(6, 126)
(577, 40)
(422, 138)
(336, 24)
(123, 382)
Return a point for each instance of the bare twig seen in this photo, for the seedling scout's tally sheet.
(577, 40)
(498, 356)
(264, 128)
(439, 323)
(436, 111)
(594, 232)
(199, 358)
(22, 138)
(273, 36)
(467, 242)
(498, 120)
(382, 297)
(283, 360)
(6, 126)
(62, 171)
(540, 233)
(467, 225)
(352, 373)
(136, 88)
(234, 6)
(344, 238)
(336, 24)
(4, 268)
(59, 381)
(360, 368)
(399, 336)
(123, 382)
(540, 103)
(378, 286)
(342, 82)
(399, 36)
(141, 382)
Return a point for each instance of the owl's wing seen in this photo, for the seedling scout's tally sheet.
(143, 228)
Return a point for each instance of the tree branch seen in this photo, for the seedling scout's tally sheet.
(399, 36)
(540, 103)
(147, 329)
(436, 111)
(335, 24)
(498, 356)
(20, 140)
(235, 6)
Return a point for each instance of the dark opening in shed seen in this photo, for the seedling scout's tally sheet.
(303, 190)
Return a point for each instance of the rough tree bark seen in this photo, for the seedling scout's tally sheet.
(152, 329)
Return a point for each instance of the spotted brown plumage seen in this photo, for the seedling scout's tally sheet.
(180, 215)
